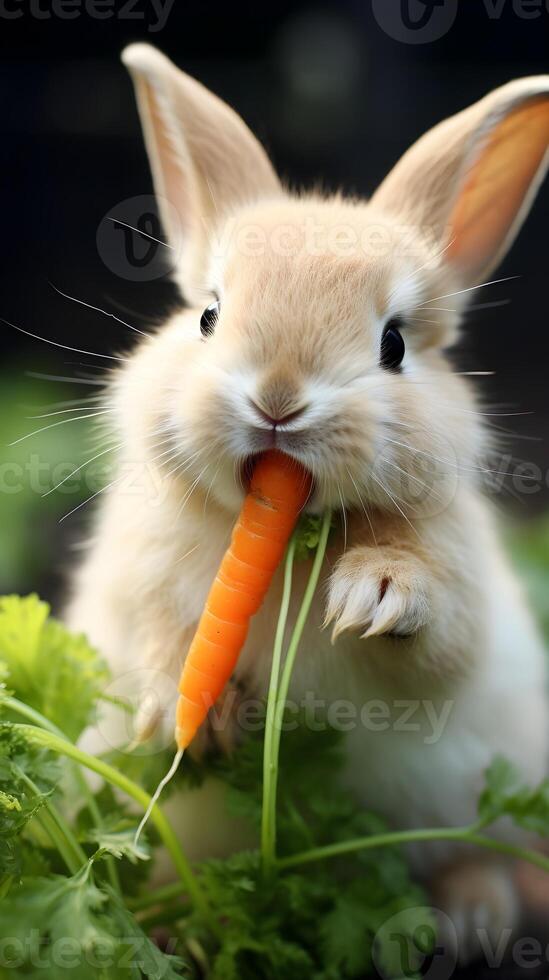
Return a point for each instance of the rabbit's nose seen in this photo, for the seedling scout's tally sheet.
(281, 418)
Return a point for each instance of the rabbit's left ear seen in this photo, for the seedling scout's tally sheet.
(470, 182)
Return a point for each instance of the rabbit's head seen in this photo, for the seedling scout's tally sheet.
(318, 324)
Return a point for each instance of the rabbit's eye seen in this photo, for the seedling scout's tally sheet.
(209, 317)
(392, 346)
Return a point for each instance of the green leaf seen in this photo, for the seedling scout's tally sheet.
(17, 808)
(502, 781)
(308, 536)
(505, 795)
(49, 668)
(116, 838)
(9, 802)
(346, 941)
(117, 830)
(70, 923)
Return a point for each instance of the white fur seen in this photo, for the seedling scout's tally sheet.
(303, 330)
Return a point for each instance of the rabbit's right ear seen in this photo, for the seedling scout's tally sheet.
(468, 184)
(204, 159)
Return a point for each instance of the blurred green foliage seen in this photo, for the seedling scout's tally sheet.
(529, 544)
(32, 540)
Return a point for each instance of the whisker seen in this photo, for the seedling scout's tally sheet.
(83, 402)
(489, 306)
(186, 555)
(214, 477)
(98, 309)
(237, 481)
(183, 466)
(384, 488)
(471, 289)
(187, 496)
(62, 377)
(54, 343)
(495, 415)
(432, 258)
(139, 232)
(111, 449)
(416, 319)
(61, 422)
(65, 411)
(362, 504)
(449, 462)
(441, 309)
(410, 476)
(344, 515)
(89, 499)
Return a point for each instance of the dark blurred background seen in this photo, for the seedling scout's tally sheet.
(336, 92)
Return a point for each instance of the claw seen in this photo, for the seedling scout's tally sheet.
(390, 611)
(343, 623)
(329, 617)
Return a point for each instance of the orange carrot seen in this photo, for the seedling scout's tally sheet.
(279, 488)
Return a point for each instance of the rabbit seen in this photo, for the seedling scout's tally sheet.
(320, 324)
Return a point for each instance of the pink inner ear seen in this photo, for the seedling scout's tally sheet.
(489, 208)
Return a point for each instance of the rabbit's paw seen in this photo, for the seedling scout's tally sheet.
(379, 591)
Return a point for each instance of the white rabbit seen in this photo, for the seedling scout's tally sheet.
(326, 334)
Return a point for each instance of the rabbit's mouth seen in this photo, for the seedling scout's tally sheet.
(247, 468)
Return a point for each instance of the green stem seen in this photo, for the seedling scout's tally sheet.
(20, 708)
(274, 731)
(49, 827)
(53, 823)
(116, 778)
(157, 897)
(521, 853)
(268, 812)
(466, 835)
(303, 614)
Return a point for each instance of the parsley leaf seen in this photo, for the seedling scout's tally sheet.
(48, 668)
(71, 923)
(308, 536)
(505, 795)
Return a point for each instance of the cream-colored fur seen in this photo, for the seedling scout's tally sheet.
(417, 593)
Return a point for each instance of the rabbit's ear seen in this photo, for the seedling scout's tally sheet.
(203, 157)
(469, 182)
